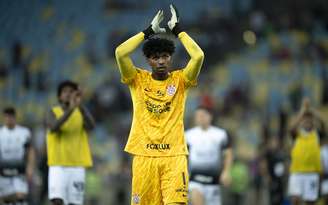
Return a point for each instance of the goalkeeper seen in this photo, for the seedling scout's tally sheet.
(156, 139)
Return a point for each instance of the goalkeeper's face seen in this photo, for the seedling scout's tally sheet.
(160, 62)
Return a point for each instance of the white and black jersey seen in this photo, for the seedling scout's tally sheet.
(206, 153)
(324, 160)
(13, 148)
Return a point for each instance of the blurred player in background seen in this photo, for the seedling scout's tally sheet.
(156, 140)
(17, 160)
(307, 130)
(210, 159)
(68, 146)
(274, 167)
(324, 161)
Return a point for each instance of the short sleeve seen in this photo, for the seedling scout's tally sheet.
(129, 81)
(28, 140)
(227, 140)
(188, 83)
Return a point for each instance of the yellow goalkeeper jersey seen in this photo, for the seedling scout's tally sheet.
(158, 105)
(157, 127)
(305, 154)
(70, 145)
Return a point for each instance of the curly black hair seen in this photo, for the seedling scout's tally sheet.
(66, 83)
(158, 45)
(9, 111)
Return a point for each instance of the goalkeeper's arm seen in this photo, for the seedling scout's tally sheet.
(196, 57)
(196, 54)
(123, 51)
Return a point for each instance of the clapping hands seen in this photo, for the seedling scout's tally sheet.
(173, 23)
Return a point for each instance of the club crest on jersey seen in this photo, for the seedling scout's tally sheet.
(171, 89)
(135, 198)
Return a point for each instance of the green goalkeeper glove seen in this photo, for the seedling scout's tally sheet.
(174, 21)
(154, 27)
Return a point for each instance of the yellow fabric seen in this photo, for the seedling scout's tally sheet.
(197, 56)
(157, 127)
(305, 155)
(69, 146)
(123, 59)
(128, 70)
(159, 180)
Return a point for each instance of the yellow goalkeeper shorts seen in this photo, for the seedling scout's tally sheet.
(159, 180)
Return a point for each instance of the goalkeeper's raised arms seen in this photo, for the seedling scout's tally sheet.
(173, 24)
(155, 27)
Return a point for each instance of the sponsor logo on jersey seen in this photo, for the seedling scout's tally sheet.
(158, 146)
(160, 93)
(171, 89)
(158, 109)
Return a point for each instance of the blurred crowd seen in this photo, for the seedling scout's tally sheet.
(261, 59)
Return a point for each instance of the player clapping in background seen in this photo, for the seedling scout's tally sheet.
(68, 146)
(307, 130)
